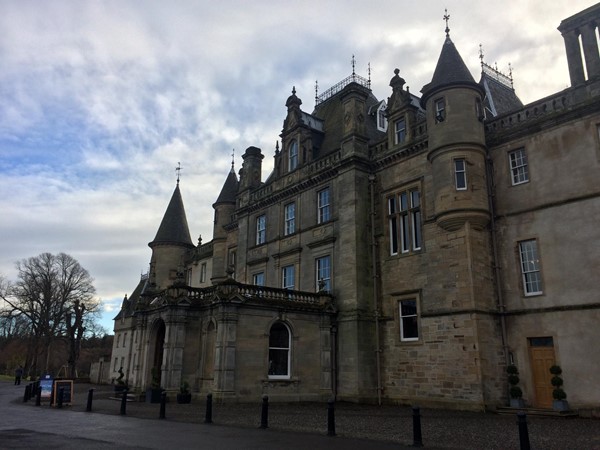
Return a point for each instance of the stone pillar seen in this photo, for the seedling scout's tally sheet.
(590, 50)
(173, 353)
(574, 57)
(225, 348)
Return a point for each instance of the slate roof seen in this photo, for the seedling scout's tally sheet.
(174, 227)
(229, 190)
(450, 70)
(499, 98)
(129, 304)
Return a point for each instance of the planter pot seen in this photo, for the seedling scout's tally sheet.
(517, 403)
(184, 398)
(153, 395)
(560, 405)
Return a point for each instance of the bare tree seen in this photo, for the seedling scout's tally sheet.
(49, 292)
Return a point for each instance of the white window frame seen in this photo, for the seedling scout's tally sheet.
(400, 131)
(460, 174)
(289, 219)
(519, 166)
(258, 279)
(323, 273)
(531, 274)
(293, 156)
(289, 354)
(261, 229)
(323, 205)
(288, 277)
(408, 316)
(405, 222)
(203, 273)
(440, 109)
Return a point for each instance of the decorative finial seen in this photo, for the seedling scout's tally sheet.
(232, 158)
(316, 91)
(369, 73)
(353, 65)
(510, 76)
(293, 90)
(277, 147)
(199, 240)
(481, 55)
(178, 170)
(447, 18)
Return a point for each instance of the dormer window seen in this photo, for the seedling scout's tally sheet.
(382, 122)
(400, 131)
(293, 156)
(440, 110)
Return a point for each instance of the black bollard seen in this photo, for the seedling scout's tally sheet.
(31, 390)
(264, 416)
(26, 394)
(208, 416)
(163, 405)
(88, 407)
(38, 397)
(124, 403)
(417, 437)
(331, 418)
(61, 393)
(523, 432)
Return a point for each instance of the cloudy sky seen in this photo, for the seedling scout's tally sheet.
(100, 100)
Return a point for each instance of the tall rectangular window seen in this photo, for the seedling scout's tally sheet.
(530, 267)
(518, 166)
(232, 263)
(324, 212)
(290, 219)
(203, 273)
(261, 229)
(323, 275)
(293, 156)
(440, 110)
(258, 279)
(460, 174)
(409, 326)
(287, 277)
(404, 221)
(400, 131)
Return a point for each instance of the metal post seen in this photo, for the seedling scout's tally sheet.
(124, 403)
(88, 407)
(61, 393)
(208, 415)
(163, 405)
(38, 397)
(417, 437)
(264, 417)
(330, 418)
(523, 432)
(26, 393)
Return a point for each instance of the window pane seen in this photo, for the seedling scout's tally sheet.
(323, 205)
(393, 235)
(278, 362)
(279, 336)
(408, 307)
(409, 328)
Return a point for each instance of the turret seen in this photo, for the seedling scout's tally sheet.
(453, 103)
(251, 169)
(224, 215)
(170, 244)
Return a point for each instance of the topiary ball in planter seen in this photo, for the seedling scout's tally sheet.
(184, 398)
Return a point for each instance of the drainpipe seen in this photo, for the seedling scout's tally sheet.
(497, 272)
(375, 293)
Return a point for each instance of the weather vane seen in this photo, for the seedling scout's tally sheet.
(353, 64)
(232, 157)
(447, 18)
(178, 170)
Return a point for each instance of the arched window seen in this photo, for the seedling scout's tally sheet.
(279, 351)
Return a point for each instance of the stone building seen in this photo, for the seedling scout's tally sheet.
(401, 251)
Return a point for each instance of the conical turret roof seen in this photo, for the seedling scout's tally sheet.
(230, 189)
(174, 227)
(450, 70)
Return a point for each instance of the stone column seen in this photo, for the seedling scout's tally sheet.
(225, 348)
(590, 50)
(574, 57)
(173, 353)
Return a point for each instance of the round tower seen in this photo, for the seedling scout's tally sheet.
(457, 151)
(170, 245)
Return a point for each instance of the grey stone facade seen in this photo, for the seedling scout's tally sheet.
(408, 258)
